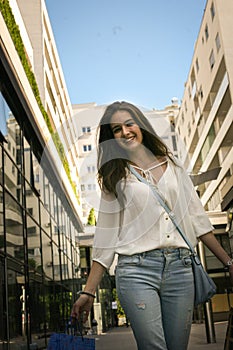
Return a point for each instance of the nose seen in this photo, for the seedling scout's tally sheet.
(125, 130)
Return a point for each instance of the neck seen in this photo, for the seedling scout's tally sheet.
(143, 158)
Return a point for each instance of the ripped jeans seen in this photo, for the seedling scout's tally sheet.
(156, 291)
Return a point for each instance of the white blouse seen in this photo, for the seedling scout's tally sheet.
(141, 224)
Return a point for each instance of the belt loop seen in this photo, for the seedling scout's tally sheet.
(180, 253)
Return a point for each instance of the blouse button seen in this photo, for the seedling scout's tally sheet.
(168, 236)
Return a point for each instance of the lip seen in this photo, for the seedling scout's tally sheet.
(129, 139)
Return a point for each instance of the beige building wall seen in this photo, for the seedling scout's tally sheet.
(204, 123)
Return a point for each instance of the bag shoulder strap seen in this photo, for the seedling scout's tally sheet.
(163, 203)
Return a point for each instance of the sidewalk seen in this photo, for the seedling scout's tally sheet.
(198, 337)
(122, 338)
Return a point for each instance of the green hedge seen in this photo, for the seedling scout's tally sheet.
(16, 38)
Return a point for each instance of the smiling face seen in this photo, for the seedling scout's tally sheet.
(125, 130)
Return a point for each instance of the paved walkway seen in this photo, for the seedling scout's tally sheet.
(122, 338)
(198, 338)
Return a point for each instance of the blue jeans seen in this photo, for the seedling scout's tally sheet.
(156, 291)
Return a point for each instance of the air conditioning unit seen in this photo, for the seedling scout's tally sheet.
(50, 264)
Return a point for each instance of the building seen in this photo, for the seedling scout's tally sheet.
(39, 192)
(34, 23)
(86, 118)
(204, 126)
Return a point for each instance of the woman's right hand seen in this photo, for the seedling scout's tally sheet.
(82, 307)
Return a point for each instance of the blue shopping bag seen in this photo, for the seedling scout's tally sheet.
(69, 340)
(63, 341)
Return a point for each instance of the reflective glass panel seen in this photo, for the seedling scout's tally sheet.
(47, 255)
(11, 175)
(33, 242)
(14, 228)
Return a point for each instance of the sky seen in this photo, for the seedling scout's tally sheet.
(133, 50)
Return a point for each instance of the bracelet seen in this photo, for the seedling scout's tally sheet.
(229, 262)
(86, 293)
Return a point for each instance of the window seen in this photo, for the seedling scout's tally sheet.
(28, 192)
(174, 144)
(193, 118)
(217, 42)
(208, 143)
(201, 92)
(56, 270)
(212, 11)
(86, 129)
(18, 157)
(206, 32)
(91, 169)
(91, 187)
(197, 65)
(189, 129)
(86, 148)
(82, 187)
(189, 91)
(212, 59)
(31, 231)
(172, 127)
(31, 251)
(182, 117)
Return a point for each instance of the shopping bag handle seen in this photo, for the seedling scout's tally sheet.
(74, 325)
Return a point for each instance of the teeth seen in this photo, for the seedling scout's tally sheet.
(130, 139)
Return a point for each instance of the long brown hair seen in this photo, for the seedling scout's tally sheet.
(113, 160)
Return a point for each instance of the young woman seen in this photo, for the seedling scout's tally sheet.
(154, 276)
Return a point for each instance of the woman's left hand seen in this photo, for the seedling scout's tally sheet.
(82, 307)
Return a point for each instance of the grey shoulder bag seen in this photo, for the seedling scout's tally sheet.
(205, 288)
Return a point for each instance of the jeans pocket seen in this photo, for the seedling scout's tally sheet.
(128, 260)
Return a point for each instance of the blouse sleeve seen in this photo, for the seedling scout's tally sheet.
(107, 230)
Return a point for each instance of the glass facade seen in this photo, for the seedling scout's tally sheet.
(39, 259)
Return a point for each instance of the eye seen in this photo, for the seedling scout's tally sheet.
(131, 123)
(116, 129)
